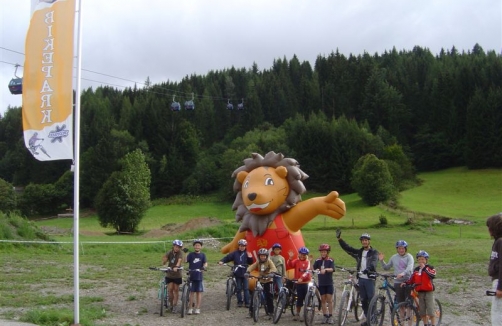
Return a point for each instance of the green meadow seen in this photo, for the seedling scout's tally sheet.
(458, 249)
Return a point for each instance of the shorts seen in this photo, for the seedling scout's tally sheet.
(174, 280)
(197, 286)
(326, 289)
(426, 303)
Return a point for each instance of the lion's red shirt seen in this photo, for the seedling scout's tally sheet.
(289, 241)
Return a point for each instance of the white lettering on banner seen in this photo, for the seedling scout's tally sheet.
(47, 65)
(46, 116)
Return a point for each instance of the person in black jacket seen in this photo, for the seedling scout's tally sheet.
(367, 260)
(243, 258)
(494, 224)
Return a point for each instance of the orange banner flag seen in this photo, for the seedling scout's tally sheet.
(48, 80)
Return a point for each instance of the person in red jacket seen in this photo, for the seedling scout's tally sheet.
(302, 273)
(422, 276)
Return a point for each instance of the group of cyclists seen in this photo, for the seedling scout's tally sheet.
(271, 267)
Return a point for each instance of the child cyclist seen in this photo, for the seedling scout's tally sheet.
(422, 276)
(301, 265)
(279, 263)
(196, 264)
(173, 258)
(243, 258)
(326, 267)
(265, 267)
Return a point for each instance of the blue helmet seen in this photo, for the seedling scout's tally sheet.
(276, 245)
(401, 243)
(423, 253)
(178, 243)
(303, 251)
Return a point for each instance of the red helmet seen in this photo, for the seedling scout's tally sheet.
(324, 246)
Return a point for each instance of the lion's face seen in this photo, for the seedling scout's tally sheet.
(264, 189)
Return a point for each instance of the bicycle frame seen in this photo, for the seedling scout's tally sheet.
(377, 306)
(185, 293)
(231, 285)
(258, 299)
(411, 307)
(310, 300)
(349, 298)
(162, 293)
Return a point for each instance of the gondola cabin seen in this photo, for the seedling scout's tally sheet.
(189, 105)
(230, 106)
(240, 106)
(16, 86)
(175, 106)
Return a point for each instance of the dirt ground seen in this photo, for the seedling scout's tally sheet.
(464, 305)
(458, 308)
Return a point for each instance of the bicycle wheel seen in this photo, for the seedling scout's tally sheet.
(376, 311)
(438, 311)
(230, 292)
(280, 305)
(405, 314)
(358, 307)
(344, 308)
(163, 298)
(292, 304)
(256, 304)
(185, 299)
(309, 308)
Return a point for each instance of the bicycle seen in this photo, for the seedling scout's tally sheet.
(286, 298)
(350, 299)
(163, 293)
(377, 306)
(231, 287)
(310, 300)
(258, 299)
(408, 312)
(185, 292)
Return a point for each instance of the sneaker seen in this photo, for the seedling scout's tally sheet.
(330, 320)
(324, 320)
(197, 311)
(364, 323)
(246, 305)
(239, 304)
(190, 311)
(295, 318)
(174, 310)
(301, 319)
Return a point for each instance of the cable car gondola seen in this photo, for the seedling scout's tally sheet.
(175, 106)
(240, 106)
(16, 84)
(230, 106)
(190, 105)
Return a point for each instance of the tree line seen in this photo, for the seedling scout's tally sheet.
(413, 110)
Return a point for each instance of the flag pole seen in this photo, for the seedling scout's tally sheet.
(76, 176)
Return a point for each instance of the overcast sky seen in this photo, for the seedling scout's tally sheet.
(168, 39)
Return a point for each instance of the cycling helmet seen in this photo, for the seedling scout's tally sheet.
(197, 241)
(303, 251)
(242, 242)
(365, 236)
(423, 253)
(277, 245)
(401, 243)
(263, 251)
(324, 246)
(178, 243)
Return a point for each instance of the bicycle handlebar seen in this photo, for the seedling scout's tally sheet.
(232, 266)
(164, 269)
(490, 293)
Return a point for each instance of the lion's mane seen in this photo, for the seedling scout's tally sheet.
(258, 224)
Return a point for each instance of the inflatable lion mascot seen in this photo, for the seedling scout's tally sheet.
(268, 203)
